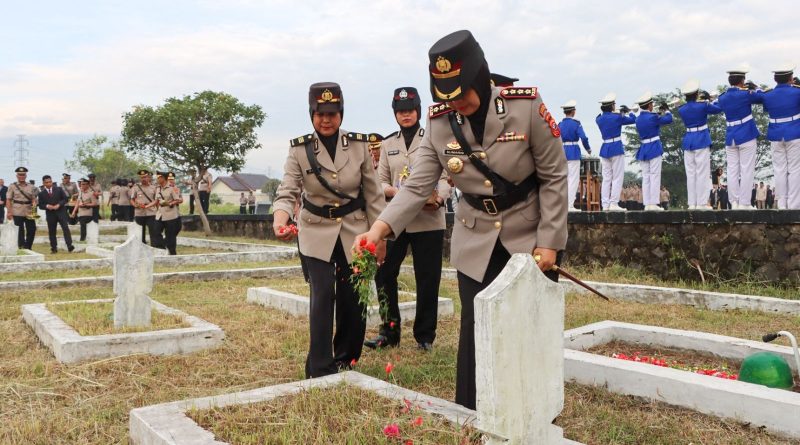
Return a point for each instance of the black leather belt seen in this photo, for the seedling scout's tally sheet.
(333, 212)
(21, 202)
(494, 204)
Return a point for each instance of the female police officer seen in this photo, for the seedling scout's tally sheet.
(503, 149)
(341, 198)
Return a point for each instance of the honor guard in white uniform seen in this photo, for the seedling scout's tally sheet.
(572, 134)
(648, 125)
(783, 105)
(612, 152)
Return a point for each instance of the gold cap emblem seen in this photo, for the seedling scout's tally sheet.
(443, 65)
(455, 165)
(326, 96)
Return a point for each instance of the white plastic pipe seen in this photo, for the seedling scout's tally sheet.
(793, 341)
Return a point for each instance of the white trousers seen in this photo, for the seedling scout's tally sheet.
(741, 169)
(786, 162)
(613, 174)
(573, 177)
(651, 180)
(698, 176)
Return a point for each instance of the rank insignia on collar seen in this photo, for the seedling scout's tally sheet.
(510, 136)
(422, 132)
(344, 141)
(454, 145)
(499, 105)
(519, 93)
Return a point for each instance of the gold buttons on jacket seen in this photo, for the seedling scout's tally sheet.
(463, 221)
(482, 155)
(333, 175)
(336, 204)
(497, 224)
(487, 183)
(338, 219)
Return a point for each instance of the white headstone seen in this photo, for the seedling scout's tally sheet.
(519, 329)
(133, 281)
(8, 238)
(134, 230)
(92, 233)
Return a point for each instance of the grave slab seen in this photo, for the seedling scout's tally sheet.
(133, 281)
(70, 347)
(298, 306)
(24, 256)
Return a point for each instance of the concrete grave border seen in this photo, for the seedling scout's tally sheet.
(299, 306)
(70, 347)
(774, 409)
(27, 256)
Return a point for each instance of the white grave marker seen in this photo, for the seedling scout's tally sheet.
(92, 233)
(8, 238)
(134, 230)
(519, 336)
(133, 280)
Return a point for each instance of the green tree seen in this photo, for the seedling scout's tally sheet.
(271, 188)
(208, 130)
(673, 172)
(104, 158)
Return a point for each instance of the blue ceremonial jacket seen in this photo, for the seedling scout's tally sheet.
(648, 125)
(737, 103)
(571, 131)
(610, 125)
(695, 115)
(782, 103)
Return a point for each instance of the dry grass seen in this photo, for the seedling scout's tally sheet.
(237, 239)
(62, 254)
(98, 319)
(337, 415)
(301, 288)
(44, 402)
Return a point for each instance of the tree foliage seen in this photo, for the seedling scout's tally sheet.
(271, 188)
(207, 130)
(673, 173)
(105, 158)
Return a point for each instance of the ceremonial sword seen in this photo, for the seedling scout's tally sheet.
(569, 276)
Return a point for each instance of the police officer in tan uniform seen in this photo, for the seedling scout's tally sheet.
(71, 189)
(85, 204)
(145, 203)
(341, 198)
(20, 202)
(113, 200)
(124, 201)
(425, 234)
(168, 218)
(204, 190)
(502, 148)
(98, 193)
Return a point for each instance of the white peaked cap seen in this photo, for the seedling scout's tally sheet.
(691, 86)
(609, 98)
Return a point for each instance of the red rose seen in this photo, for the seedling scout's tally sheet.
(371, 248)
(363, 242)
(389, 367)
(391, 430)
(417, 421)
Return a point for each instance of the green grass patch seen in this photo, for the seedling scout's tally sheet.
(62, 254)
(98, 319)
(336, 415)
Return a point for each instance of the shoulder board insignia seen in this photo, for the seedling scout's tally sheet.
(519, 93)
(499, 105)
(358, 137)
(422, 132)
(301, 140)
(437, 110)
(392, 134)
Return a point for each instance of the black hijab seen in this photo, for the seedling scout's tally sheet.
(483, 87)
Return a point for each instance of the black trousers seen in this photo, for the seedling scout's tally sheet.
(191, 203)
(83, 220)
(168, 231)
(204, 201)
(251, 209)
(3, 212)
(331, 287)
(467, 289)
(96, 214)
(26, 231)
(149, 223)
(426, 248)
(242, 210)
(69, 215)
(115, 212)
(54, 219)
(125, 213)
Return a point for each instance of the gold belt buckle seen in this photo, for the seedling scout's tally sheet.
(490, 207)
(330, 212)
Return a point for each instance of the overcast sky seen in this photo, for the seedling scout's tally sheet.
(70, 69)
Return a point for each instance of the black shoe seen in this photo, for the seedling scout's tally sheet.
(425, 346)
(381, 341)
(343, 366)
(71, 248)
(53, 250)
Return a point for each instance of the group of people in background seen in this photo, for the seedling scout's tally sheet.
(154, 207)
(247, 204)
(782, 103)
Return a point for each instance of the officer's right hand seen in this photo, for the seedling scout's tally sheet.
(279, 221)
(390, 192)
(376, 235)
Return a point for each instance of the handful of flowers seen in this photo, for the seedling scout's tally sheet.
(291, 228)
(364, 267)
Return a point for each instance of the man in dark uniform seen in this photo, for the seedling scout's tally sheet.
(3, 191)
(20, 202)
(53, 200)
(503, 151)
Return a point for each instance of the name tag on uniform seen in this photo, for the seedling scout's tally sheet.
(454, 152)
(393, 152)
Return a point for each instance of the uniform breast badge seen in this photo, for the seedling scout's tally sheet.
(455, 165)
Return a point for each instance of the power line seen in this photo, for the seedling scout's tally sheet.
(21, 151)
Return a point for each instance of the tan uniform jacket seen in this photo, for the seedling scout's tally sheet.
(124, 196)
(165, 212)
(20, 204)
(242, 200)
(113, 195)
(143, 195)
(394, 158)
(71, 189)
(251, 199)
(97, 189)
(351, 170)
(539, 221)
(89, 199)
(204, 184)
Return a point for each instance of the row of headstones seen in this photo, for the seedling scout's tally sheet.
(8, 237)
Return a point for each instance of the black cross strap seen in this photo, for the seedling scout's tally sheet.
(317, 170)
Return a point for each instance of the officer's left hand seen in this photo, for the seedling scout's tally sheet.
(380, 251)
(547, 258)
